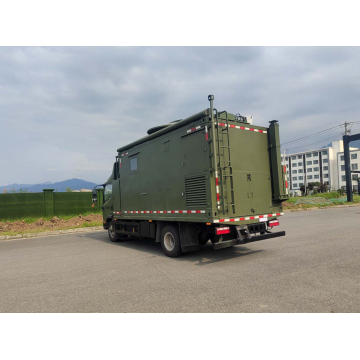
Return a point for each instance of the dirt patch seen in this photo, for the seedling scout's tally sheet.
(53, 224)
(288, 205)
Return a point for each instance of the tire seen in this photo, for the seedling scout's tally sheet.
(170, 241)
(114, 237)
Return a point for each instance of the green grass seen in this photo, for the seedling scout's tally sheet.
(332, 195)
(30, 219)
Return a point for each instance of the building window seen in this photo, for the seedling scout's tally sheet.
(343, 178)
(326, 183)
(316, 169)
(287, 165)
(287, 173)
(308, 155)
(353, 156)
(309, 170)
(342, 158)
(133, 164)
(315, 162)
(287, 159)
(316, 176)
(342, 167)
(355, 177)
(301, 184)
(325, 168)
(300, 171)
(309, 163)
(295, 185)
(300, 164)
(299, 156)
(301, 178)
(294, 178)
(315, 153)
(294, 164)
(326, 176)
(309, 176)
(325, 161)
(294, 171)
(324, 153)
(293, 158)
(354, 166)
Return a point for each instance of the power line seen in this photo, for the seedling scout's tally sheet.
(312, 135)
(317, 142)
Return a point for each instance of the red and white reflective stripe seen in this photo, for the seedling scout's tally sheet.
(247, 218)
(243, 128)
(286, 181)
(217, 189)
(124, 154)
(206, 133)
(120, 163)
(193, 129)
(117, 212)
(165, 212)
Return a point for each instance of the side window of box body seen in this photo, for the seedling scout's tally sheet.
(133, 164)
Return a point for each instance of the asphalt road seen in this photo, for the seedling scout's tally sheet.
(314, 268)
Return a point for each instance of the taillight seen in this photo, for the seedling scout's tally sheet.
(274, 223)
(222, 230)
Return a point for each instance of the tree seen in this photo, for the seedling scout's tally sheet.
(68, 189)
(13, 190)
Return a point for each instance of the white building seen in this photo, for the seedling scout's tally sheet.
(322, 165)
(355, 165)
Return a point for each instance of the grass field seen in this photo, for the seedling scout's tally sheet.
(318, 201)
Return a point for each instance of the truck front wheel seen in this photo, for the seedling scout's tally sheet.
(170, 241)
(114, 237)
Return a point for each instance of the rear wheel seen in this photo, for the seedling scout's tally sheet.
(170, 241)
(114, 237)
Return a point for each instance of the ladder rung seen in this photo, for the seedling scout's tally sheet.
(225, 147)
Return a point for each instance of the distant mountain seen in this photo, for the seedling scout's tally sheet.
(73, 184)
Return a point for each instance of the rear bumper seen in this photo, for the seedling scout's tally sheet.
(228, 243)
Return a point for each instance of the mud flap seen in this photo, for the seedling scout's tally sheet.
(188, 237)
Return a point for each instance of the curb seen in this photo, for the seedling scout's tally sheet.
(50, 233)
(322, 208)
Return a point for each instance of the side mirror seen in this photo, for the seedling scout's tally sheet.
(94, 196)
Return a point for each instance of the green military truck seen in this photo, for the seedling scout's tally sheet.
(212, 176)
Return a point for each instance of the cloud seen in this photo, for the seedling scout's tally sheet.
(70, 108)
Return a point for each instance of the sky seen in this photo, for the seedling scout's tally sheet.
(65, 110)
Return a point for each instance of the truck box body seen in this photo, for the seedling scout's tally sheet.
(171, 176)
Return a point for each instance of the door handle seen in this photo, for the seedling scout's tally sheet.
(252, 195)
(248, 195)
(143, 193)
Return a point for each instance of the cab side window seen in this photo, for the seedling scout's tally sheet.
(107, 192)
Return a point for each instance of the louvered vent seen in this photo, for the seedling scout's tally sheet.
(195, 192)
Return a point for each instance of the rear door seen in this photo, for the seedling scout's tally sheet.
(251, 169)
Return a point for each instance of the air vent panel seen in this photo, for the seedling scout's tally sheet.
(195, 192)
